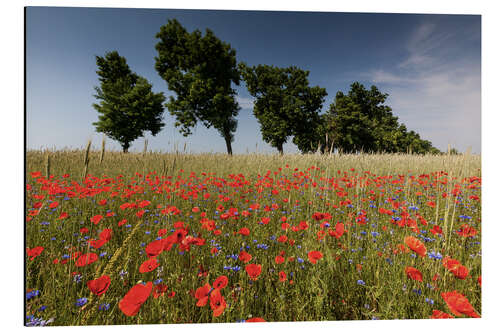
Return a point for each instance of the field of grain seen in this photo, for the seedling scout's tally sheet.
(138, 238)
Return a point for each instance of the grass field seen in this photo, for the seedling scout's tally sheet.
(278, 238)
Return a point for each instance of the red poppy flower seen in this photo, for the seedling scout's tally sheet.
(459, 304)
(149, 265)
(303, 225)
(36, 174)
(201, 294)
(461, 272)
(253, 271)
(159, 290)
(413, 273)
(279, 260)
(154, 248)
(416, 245)
(133, 300)
(436, 230)
(467, 231)
(282, 276)
(479, 280)
(220, 282)
(99, 285)
(86, 259)
(245, 256)
(436, 314)
(282, 238)
(34, 252)
(122, 222)
(54, 204)
(265, 220)
(455, 267)
(314, 256)
(97, 243)
(244, 232)
(105, 234)
(96, 219)
(255, 320)
(318, 216)
(217, 302)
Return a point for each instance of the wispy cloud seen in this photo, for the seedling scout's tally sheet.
(435, 90)
(245, 102)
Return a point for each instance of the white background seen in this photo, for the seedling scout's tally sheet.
(11, 176)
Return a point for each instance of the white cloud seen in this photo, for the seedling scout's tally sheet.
(245, 102)
(435, 92)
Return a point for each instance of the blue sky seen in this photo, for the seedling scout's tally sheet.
(430, 65)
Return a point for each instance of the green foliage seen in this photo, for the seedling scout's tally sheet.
(360, 121)
(127, 107)
(200, 70)
(285, 104)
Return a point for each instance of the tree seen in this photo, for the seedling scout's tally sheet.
(200, 70)
(285, 104)
(360, 121)
(127, 105)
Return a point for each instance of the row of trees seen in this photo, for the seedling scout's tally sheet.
(201, 70)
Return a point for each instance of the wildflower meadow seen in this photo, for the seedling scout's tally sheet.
(157, 238)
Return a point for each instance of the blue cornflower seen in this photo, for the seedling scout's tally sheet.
(104, 307)
(33, 321)
(43, 307)
(361, 282)
(81, 301)
(32, 294)
(77, 278)
(122, 273)
(434, 255)
(300, 260)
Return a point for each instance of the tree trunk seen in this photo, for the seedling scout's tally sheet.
(125, 147)
(228, 145)
(280, 148)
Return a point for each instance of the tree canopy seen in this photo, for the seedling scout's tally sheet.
(361, 122)
(127, 106)
(285, 105)
(200, 69)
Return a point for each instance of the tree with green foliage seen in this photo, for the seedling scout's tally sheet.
(361, 122)
(285, 105)
(200, 70)
(127, 107)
